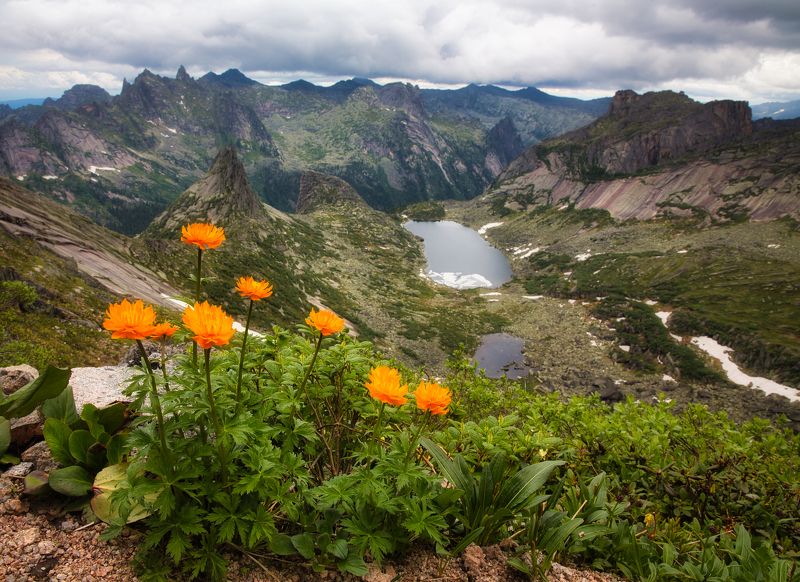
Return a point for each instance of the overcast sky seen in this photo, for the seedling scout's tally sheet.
(739, 49)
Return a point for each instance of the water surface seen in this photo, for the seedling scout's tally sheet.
(502, 353)
(459, 257)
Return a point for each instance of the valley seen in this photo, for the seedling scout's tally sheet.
(588, 277)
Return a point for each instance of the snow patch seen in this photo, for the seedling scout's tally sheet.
(625, 348)
(720, 352)
(580, 257)
(493, 293)
(773, 246)
(49, 177)
(22, 177)
(668, 378)
(663, 316)
(95, 169)
(650, 302)
(459, 280)
(482, 230)
(534, 297)
(682, 252)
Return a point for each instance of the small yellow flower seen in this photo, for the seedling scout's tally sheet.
(202, 235)
(252, 289)
(210, 325)
(649, 520)
(432, 397)
(126, 320)
(326, 321)
(384, 385)
(543, 453)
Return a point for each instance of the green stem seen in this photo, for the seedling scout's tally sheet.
(198, 280)
(241, 357)
(376, 432)
(320, 425)
(218, 428)
(210, 395)
(166, 380)
(413, 445)
(156, 403)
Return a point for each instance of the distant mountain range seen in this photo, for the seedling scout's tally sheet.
(786, 110)
(121, 160)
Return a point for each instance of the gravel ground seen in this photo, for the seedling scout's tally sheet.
(39, 541)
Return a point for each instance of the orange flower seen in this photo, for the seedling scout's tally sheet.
(210, 324)
(384, 385)
(163, 330)
(126, 320)
(432, 397)
(203, 235)
(326, 321)
(252, 289)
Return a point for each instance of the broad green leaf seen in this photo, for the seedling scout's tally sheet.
(517, 490)
(451, 470)
(113, 416)
(73, 481)
(5, 434)
(62, 407)
(79, 443)
(115, 449)
(338, 548)
(353, 564)
(105, 483)
(304, 544)
(281, 544)
(26, 399)
(56, 434)
(35, 483)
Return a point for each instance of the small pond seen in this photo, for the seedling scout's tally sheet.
(502, 353)
(459, 257)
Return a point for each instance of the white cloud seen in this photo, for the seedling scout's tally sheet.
(742, 47)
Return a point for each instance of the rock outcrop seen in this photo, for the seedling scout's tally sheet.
(662, 154)
(223, 192)
(318, 190)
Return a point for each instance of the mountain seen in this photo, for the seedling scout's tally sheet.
(122, 160)
(662, 154)
(776, 110)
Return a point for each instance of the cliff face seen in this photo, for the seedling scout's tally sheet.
(664, 154)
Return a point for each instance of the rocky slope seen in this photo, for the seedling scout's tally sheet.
(662, 154)
(121, 160)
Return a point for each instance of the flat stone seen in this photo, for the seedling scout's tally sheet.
(39, 454)
(26, 537)
(19, 470)
(27, 428)
(100, 386)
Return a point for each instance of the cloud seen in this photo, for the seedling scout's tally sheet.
(572, 43)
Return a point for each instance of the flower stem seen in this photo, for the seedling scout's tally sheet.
(413, 445)
(241, 357)
(218, 428)
(198, 280)
(210, 395)
(166, 380)
(320, 425)
(311, 365)
(156, 403)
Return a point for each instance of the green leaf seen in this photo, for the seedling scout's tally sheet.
(26, 399)
(56, 434)
(35, 483)
(5, 434)
(62, 407)
(518, 490)
(338, 548)
(79, 443)
(304, 544)
(73, 481)
(105, 483)
(115, 449)
(281, 544)
(353, 564)
(113, 416)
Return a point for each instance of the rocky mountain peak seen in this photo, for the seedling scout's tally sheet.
(222, 193)
(182, 75)
(318, 190)
(79, 96)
